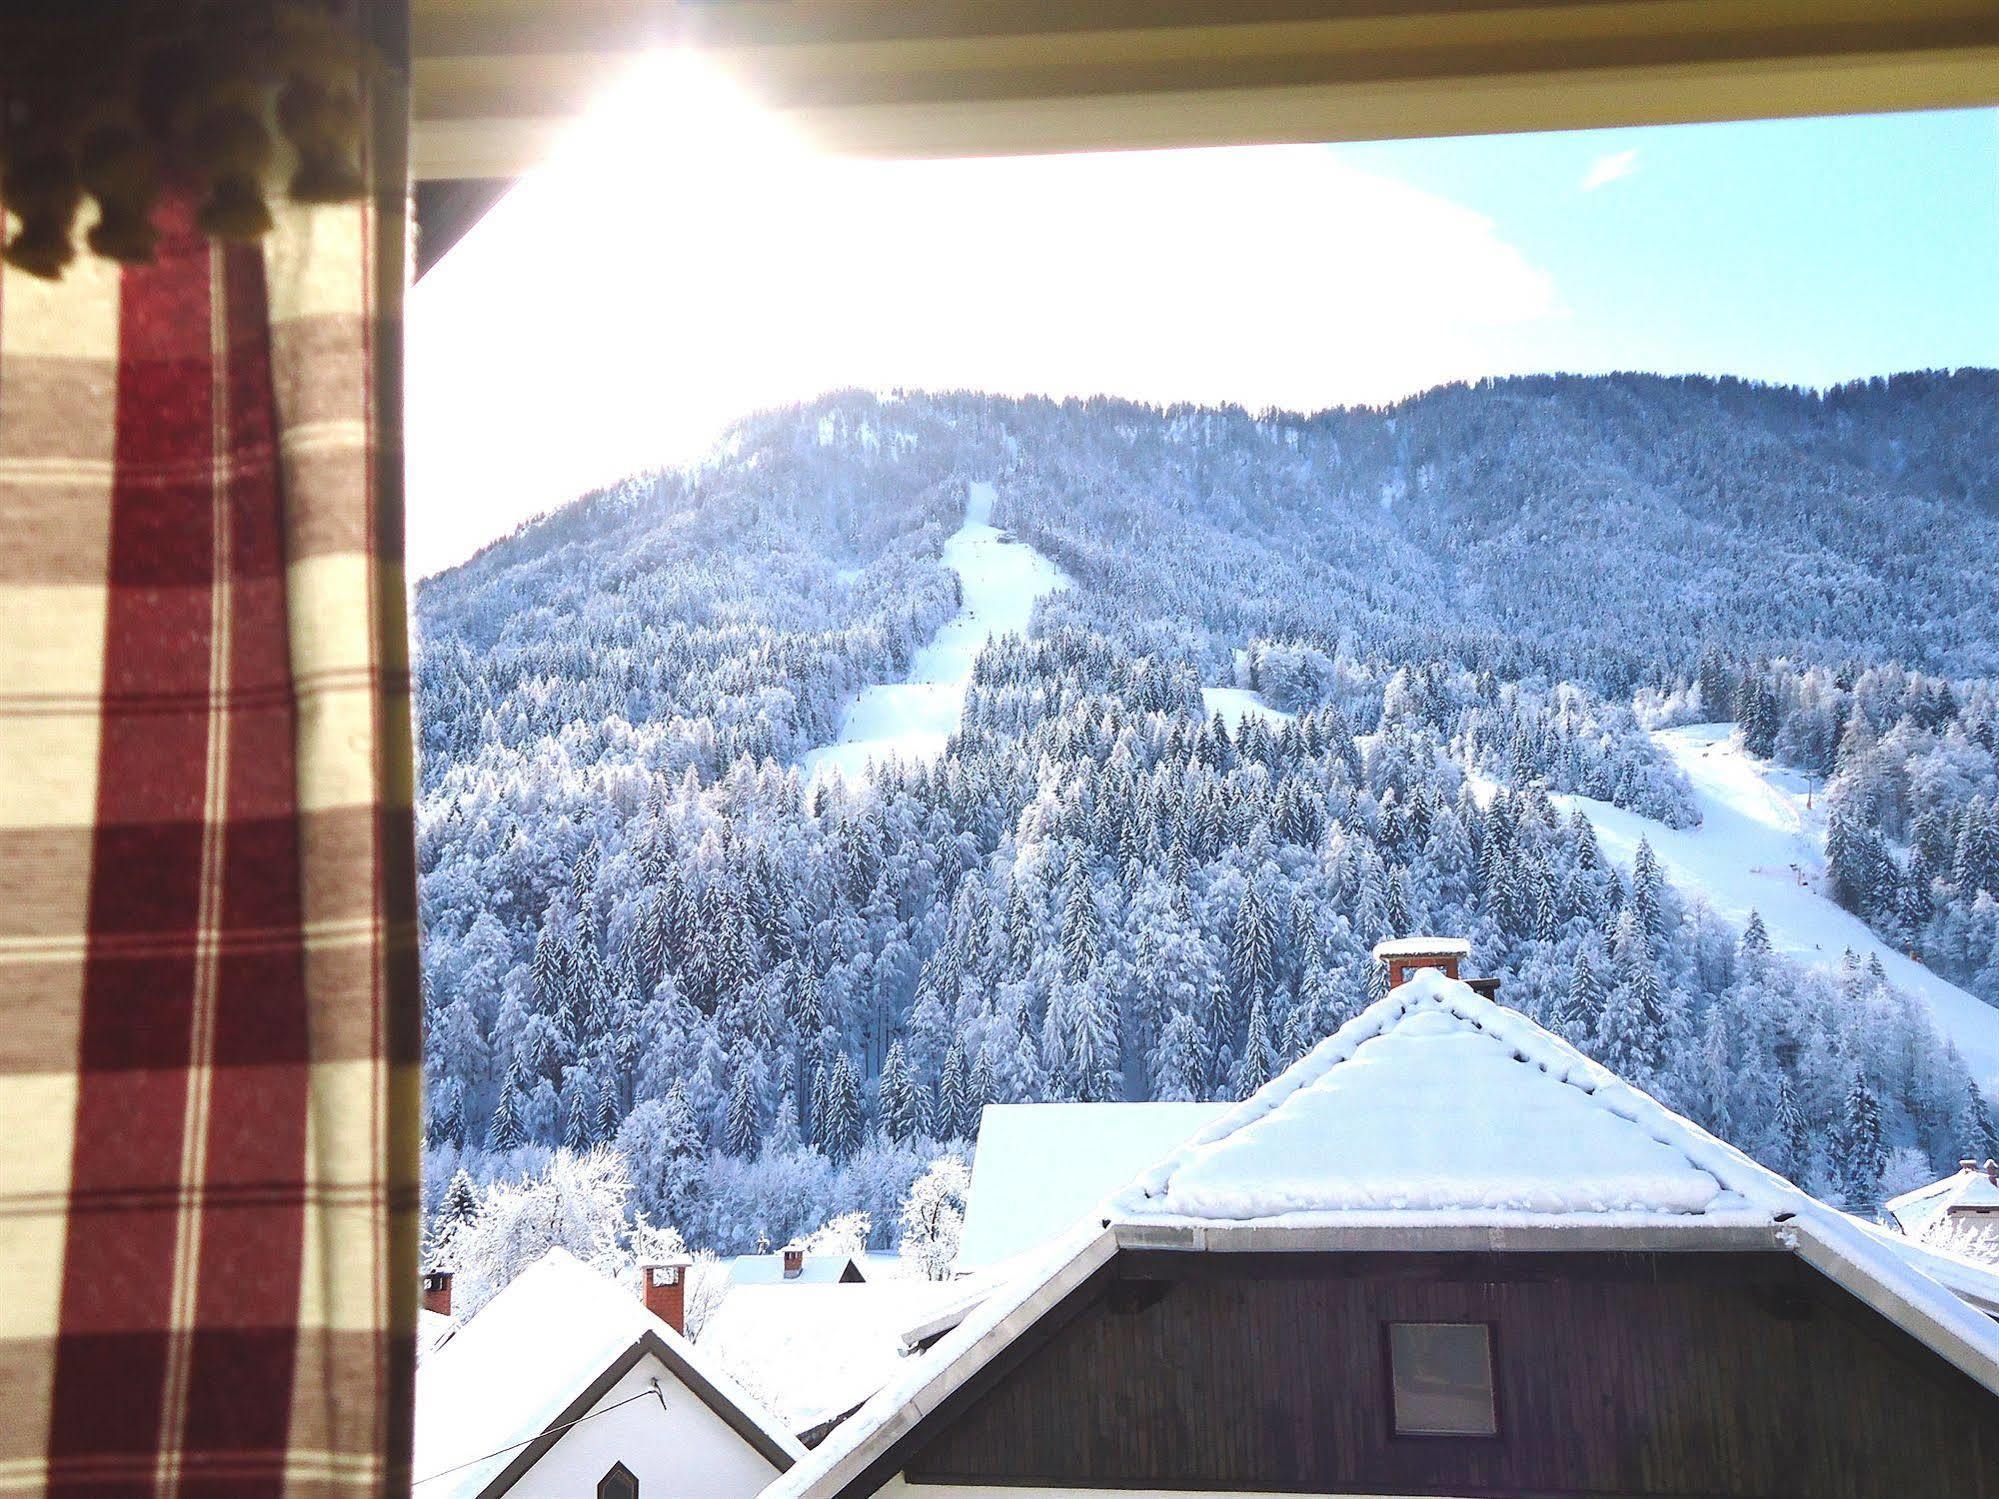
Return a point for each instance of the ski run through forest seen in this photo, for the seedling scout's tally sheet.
(922, 752)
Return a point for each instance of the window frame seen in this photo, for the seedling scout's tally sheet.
(1396, 1433)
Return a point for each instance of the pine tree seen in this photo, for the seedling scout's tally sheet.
(897, 1098)
(821, 1111)
(1861, 1156)
(1259, 1051)
(1580, 1013)
(1081, 929)
(506, 1132)
(1977, 1136)
(457, 1211)
(1252, 940)
(947, 1120)
(844, 1125)
(981, 1087)
(745, 1124)
(1793, 1134)
(1648, 890)
(1755, 947)
(1179, 1061)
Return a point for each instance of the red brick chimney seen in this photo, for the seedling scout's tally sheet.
(437, 1292)
(664, 1288)
(794, 1261)
(1404, 957)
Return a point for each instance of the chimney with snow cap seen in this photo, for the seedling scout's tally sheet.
(794, 1261)
(664, 1288)
(1404, 957)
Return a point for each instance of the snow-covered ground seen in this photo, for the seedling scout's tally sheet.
(1237, 703)
(1000, 578)
(1759, 847)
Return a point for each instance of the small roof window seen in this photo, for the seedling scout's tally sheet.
(1440, 1375)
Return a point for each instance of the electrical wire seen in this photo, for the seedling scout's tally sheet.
(530, 1441)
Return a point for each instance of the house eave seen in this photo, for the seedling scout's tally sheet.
(1409, 1233)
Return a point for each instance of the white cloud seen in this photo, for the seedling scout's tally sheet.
(1611, 167)
(683, 264)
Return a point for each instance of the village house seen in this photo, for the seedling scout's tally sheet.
(1446, 1254)
(567, 1386)
(793, 1266)
(1959, 1215)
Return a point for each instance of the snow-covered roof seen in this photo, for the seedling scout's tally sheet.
(816, 1352)
(1975, 1281)
(432, 1328)
(506, 1375)
(1436, 1119)
(1969, 1189)
(1041, 1167)
(1445, 1102)
(817, 1270)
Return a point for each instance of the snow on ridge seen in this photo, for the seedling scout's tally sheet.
(1559, 1137)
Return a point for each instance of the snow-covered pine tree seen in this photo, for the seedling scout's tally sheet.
(1081, 928)
(745, 1122)
(1793, 1134)
(1974, 1129)
(948, 1116)
(506, 1132)
(844, 1125)
(1259, 1051)
(898, 1105)
(1861, 1155)
(457, 1211)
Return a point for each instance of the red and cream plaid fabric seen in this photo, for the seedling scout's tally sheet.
(208, 1002)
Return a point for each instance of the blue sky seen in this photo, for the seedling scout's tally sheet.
(1808, 251)
(732, 267)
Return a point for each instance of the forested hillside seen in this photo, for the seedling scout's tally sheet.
(780, 998)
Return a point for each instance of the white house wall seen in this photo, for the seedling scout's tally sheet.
(683, 1452)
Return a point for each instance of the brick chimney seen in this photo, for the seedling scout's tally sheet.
(1404, 957)
(437, 1292)
(794, 1261)
(664, 1288)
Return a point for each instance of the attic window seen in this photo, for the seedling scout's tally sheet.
(1440, 1376)
(619, 1483)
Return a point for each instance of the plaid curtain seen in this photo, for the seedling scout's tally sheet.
(208, 1001)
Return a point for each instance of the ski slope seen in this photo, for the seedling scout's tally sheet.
(1760, 847)
(1000, 580)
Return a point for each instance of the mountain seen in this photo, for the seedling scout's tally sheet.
(1295, 683)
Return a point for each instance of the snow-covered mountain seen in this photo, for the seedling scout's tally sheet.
(1193, 706)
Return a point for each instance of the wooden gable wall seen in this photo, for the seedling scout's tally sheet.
(1632, 1375)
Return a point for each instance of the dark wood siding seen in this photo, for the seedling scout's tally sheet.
(1627, 1375)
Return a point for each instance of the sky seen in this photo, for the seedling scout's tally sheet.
(681, 261)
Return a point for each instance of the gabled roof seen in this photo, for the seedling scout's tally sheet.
(815, 1352)
(1040, 1167)
(1310, 1163)
(1446, 1103)
(1969, 1189)
(537, 1356)
(817, 1270)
